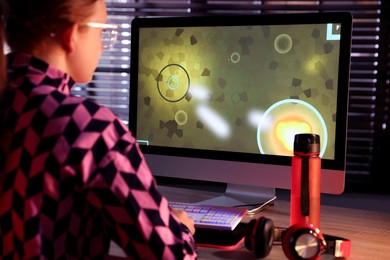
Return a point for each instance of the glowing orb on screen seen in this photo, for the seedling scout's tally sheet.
(283, 120)
(283, 43)
(287, 129)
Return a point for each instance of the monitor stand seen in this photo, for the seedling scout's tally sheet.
(255, 199)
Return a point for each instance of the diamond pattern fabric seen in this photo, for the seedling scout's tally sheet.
(73, 177)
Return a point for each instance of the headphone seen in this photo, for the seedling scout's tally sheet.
(299, 242)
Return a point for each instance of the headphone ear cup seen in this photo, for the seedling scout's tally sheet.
(249, 237)
(260, 236)
(307, 238)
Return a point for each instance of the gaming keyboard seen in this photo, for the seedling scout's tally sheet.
(210, 216)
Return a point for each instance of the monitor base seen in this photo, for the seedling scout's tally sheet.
(255, 199)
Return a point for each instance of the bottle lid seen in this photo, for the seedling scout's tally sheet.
(307, 143)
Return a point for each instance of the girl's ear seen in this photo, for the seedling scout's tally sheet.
(69, 37)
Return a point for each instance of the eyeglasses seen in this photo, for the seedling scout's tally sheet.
(109, 33)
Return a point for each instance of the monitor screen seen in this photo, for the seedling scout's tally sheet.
(220, 98)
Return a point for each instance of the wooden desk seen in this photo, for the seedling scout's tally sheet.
(368, 230)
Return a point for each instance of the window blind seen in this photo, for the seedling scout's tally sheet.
(368, 134)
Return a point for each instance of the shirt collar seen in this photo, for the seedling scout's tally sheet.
(38, 71)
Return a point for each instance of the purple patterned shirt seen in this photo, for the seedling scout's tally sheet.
(74, 178)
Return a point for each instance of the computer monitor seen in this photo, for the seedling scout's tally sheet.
(220, 98)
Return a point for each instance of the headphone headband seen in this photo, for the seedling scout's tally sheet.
(338, 246)
(296, 240)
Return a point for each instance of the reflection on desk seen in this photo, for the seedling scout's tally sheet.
(368, 230)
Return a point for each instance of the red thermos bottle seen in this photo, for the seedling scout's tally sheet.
(306, 180)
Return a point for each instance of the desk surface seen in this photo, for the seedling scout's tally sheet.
(368, 230)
